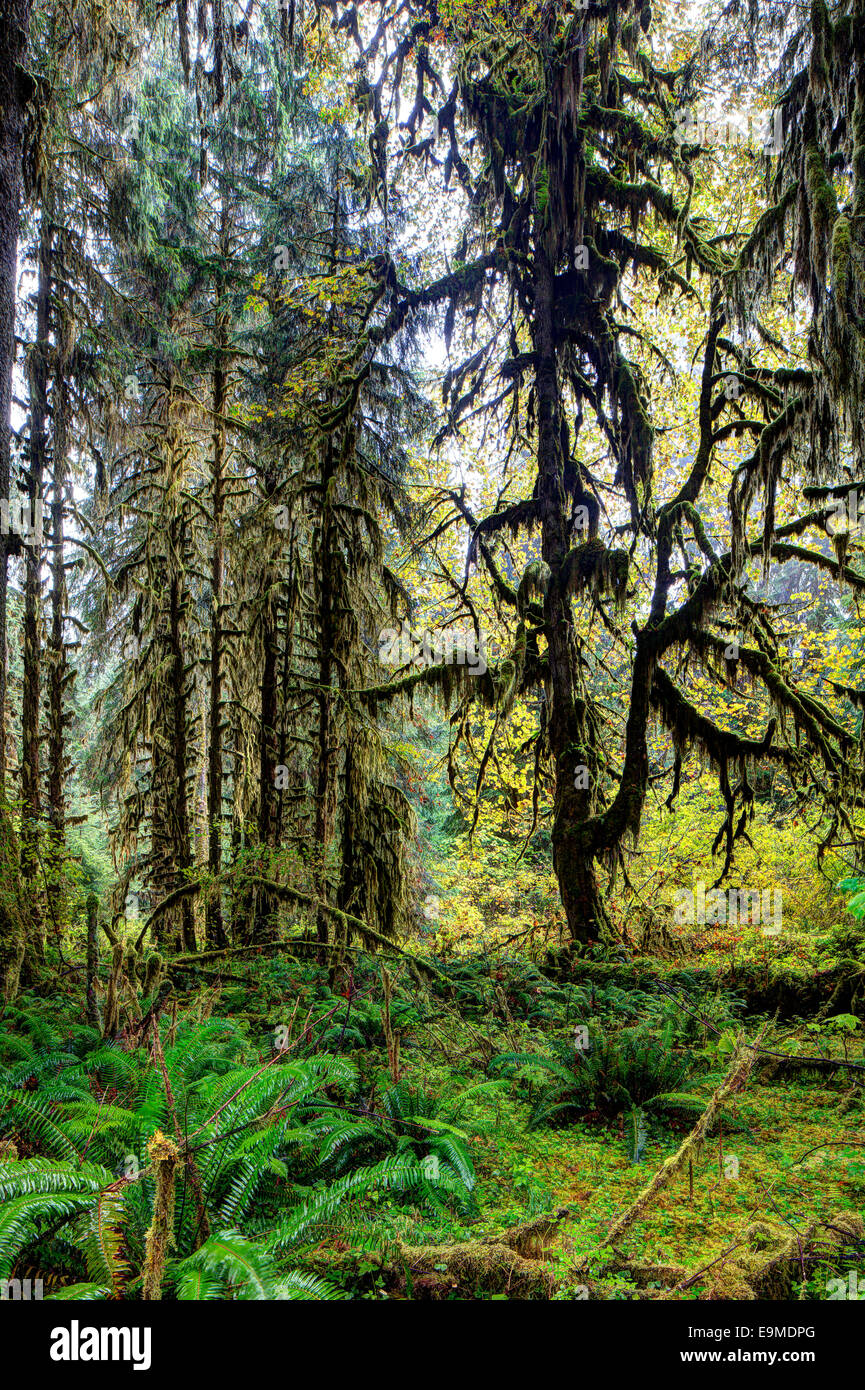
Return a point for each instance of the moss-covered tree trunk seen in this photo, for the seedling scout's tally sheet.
(181, 845)
(31, 800)
(14, 92)
(266, 908)
(13, 918)
(59, 676)
(214, 926)
(573, 853)
(91, 1002)
(171, 850)
(325, 791)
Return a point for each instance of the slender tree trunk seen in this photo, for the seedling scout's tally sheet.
(180, 835)
(266, 913)
(92, 961)
(160, 875)
(59, 675)
(13, 934)
(239, 903)
(14, 93)
(31, 801)
(171, 849)
(325, 792)
(286, 704)
(214, 926)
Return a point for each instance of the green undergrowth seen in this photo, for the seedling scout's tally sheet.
(331, 1140)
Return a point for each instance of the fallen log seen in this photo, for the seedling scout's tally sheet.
(768, 1257)
(510, 1262)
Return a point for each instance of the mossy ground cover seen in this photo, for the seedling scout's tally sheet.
(791, 1148)
(797, 1149)
(547, 1090)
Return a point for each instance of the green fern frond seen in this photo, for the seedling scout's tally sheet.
(298, 1286)
(396, 1173)
(199, 1286)
(20, 1220)
(101, 1240)
(36, 1119)
(246, 1268)
(45, 1176)
(79, 1293)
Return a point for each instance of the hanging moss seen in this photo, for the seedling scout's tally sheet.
(821, 42)
(841, 262)
(536, 577)
(822, 203)
(617, 572)
(592, 566)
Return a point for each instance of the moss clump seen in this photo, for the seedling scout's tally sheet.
(591, 566)
(160, 1237)
(766, 1270)
(840, 260)
(822, 207)
(13, 916)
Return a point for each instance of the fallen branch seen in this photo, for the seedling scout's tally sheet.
(745, 1057)
(285, 894)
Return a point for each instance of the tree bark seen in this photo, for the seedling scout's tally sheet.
(92, 961)
(325, 792)
(31, 801)
(266, 911)
(180, 836)
(214, 927)
(59, 675)
(14, 93)
(570, 748)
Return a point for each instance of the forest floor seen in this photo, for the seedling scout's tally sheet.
(546, 1095)
(790, 1150)
(799, 1157)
